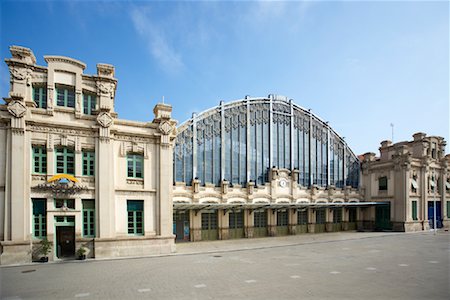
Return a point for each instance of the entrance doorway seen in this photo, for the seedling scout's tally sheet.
(181, 226)
(65, 241)
(236, 224)
(383, 217)
(438, 214)
(209, 225)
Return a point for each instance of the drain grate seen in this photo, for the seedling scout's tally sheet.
(28, 271)
(217, 256)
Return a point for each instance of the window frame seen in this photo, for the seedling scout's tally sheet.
(39, 220)
(132, 217)
(135, 158)
(88, 158)
(89, 103)
(41, 102)
(39, 158)
(67, 90)
(383, 183)
(88, 213)
(414, 210)
(66, 153)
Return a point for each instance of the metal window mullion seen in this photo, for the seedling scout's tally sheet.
(292, 135)
(248, 154)
(309, 148)
(270, 131)
(328, 156)
(344, 164)
(222, 141)
(194, 146)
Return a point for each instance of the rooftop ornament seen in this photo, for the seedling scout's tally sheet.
(62, 185)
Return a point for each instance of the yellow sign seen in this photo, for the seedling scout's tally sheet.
(63, 176)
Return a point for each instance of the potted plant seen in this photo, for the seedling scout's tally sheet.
(81, 253)
(45, 249)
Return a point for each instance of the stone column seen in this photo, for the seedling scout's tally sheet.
(164, 189)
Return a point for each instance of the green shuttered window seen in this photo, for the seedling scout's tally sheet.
(414, 210)
(135, 163)
(65, 161)
(39, 159)
(88, 163)
(65, 96)
(89, 102)
(88, 218)
(40, 96)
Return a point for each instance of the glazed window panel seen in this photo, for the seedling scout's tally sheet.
(320, 216)
(448, 209)
(282, 218)
(88, 163)
(337, 215)
(302, 217)
(260, 219)
(89, 103)
(39, 159)
(382, 183)
(40, 96)
(39, 218)
(88, 218)
(65, 161)
(65, 96)
(135, 164)
(414, 209)
(135, 211)
(352, 214)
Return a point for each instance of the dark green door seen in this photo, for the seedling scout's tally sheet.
(320, 220)
(383, 217)
(260, 223)
(236, 225)
(352, 218)
(209, 226)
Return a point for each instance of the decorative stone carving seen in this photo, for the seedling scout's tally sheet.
(104, 119)
(17, 109)
(165, 128)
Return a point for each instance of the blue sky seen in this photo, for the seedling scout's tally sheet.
(359, 65)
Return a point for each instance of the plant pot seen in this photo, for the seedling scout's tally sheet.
(82, 257)
(44, 259)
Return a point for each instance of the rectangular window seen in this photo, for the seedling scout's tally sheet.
(135, 209)
(337, 215)
(135, 165)
(414, 210)
(382, 183)
(68, 203)
(65, 161)
(40, 96)
(89, 102)
(39, 159)
(302, 217)
(39, 218)
(88, 218)
(448, 209)
(282, 218)
(65, 96)
(320, 216)
(88, 163)
(352, 214)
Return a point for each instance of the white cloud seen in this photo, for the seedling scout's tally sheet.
(157, 41)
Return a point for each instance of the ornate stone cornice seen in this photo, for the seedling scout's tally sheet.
(64, 59)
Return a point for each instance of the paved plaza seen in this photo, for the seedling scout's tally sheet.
(344, 265)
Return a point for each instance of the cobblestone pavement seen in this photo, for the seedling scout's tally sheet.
(347, 265)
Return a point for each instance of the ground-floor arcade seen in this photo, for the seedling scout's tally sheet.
(197, 222)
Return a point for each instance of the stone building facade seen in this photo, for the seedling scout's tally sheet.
(414, 178)
(74, 173)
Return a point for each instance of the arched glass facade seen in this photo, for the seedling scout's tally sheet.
(239, 142)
